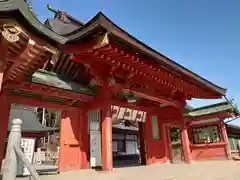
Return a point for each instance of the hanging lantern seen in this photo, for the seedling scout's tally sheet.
(130, 97)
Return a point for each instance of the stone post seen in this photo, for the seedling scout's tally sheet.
(11, 161)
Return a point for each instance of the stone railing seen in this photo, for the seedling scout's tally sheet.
(14, 154)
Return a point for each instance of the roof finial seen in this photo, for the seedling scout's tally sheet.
(50, 8)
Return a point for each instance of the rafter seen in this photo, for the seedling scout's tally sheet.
(8, 36)
(150, 70)
(99, 42)
(21, 58)
(161, 100)
(118, 58)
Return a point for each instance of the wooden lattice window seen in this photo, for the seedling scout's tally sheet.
(155, 128)
(206, 134)
(233, 143)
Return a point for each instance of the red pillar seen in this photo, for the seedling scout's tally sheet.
(1, 78)
(225, 139)
(107, 157)
(165, 130)
(185, 144)
(5, 107)
(73, 141)
(169, 144)
(84, 142)
(186, 151)
(142, 142)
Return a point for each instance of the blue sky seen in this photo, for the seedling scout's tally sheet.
(203, 36)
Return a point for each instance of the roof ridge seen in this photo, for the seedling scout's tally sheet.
(50, 8)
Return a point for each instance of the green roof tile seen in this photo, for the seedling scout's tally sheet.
(212, 109)
(53, 80)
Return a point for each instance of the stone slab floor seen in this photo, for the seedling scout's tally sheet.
(207, 170)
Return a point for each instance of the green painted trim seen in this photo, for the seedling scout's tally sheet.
(208, 113)
(230, 135)
(155, 128)
(51, 79)
(25, 94)
(54, 99)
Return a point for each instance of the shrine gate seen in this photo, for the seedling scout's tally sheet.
(80, 68)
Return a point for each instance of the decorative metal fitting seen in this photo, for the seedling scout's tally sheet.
(10, 33)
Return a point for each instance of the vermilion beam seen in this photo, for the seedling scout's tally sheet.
(127, 105)
(49, 91)
(80, 48)
(37, 103)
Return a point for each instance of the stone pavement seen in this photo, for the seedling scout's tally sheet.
(207, 170)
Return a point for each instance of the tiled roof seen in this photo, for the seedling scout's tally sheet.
(23, 15)
(62, 23)
(213, 109)
(29, 119)
(52, 79)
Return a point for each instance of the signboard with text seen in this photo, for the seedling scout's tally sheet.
(27, 145)
(95, 149)
(94, 118)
